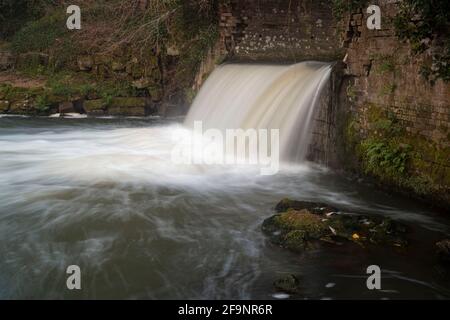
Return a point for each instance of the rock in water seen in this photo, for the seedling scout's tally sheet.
(289, 284)
(317, 208)
(301, 225)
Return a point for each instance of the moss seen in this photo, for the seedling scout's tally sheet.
(299, 230)
(351, 94)
(296, 240)
(398, 159)
(46, 35)
(94, 105)
(303, 220)
(374, 113)
(128, 102)
(288, 284)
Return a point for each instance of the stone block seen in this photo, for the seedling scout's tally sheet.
(95, 107)
(131, 107)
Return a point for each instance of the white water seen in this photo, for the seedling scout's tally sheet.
(104, 194)
(264, 97)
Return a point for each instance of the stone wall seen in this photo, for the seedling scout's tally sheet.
(377, 82)
(325, 144)
(384, 87)
(385, 74)
(283, 31)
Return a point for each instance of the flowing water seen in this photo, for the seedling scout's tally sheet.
(104, 194)
(264, 97)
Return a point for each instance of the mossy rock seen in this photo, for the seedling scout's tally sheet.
(288, 284)
(317, 208)
(304, 225)
(95, 107)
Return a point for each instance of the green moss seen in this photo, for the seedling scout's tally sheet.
(311, 224)
(398, 159)
(351, 94)
(299, 230)
(74, 85)
(46, 35)
(296, 240)
(289, 284)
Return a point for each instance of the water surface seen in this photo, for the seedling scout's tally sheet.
(103, 194)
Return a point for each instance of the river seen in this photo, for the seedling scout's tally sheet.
(103, 194)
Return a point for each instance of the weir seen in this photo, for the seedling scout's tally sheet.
(252, 96)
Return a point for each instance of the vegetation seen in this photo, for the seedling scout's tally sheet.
(133, 34)
(340, 7)
(14, 13)
(426, 25)
(305, 225)
(397, 158)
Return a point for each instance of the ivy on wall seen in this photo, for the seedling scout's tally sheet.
(426, 25)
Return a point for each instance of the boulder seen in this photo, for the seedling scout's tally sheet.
(301, 225)
(288, 284)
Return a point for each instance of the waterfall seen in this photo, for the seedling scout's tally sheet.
(249, 96)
